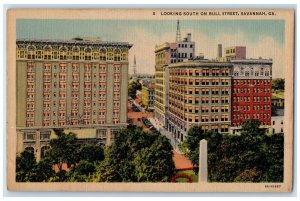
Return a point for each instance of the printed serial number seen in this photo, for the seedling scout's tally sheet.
(273, 186)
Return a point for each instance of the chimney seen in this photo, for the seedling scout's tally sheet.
(189, 37)
(219, 50)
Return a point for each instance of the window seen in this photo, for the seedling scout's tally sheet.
(30, 149)
(224, 128)
(117, 55)
(74, 67)
(29, 136)
(102, 54)
(45, 135)
(44, 150)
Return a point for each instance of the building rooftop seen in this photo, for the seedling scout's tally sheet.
(278, 95)
(201, 63)
(251, 60)
(76, 41)
(149, 84)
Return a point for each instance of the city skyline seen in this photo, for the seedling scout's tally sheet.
(256, 35)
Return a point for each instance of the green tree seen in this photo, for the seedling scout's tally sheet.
(28, 170)
(251, 156)
(278, 84)
(91, 153)
(44, 170)
(132, 88)
(155, 163)
(64, 150)
(83, 171)
(137, 156)
(190, 146)
(273, 170)
(25, 166)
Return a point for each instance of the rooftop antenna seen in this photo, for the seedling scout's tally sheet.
(178, 35)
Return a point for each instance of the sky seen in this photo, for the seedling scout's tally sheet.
(262, 38)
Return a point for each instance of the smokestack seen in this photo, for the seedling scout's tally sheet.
(220, 50)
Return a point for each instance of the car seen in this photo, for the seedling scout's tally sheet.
(153, 129)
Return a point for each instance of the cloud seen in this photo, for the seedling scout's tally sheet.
(268, 48)
(265, 47)
(143, 48)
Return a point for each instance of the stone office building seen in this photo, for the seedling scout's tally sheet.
(199, 94)
(165, 54)
(77, 85)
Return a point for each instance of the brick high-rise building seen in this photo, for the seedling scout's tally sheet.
(76, 85)
(251, 91)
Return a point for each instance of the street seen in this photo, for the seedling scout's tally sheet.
(180, 161)
(166, 133)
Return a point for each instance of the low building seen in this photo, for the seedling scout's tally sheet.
(138, 94)
(236, 52)
(278, 99)
(148, 89)
(277, 125)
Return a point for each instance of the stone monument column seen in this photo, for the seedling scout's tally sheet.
(203, 161)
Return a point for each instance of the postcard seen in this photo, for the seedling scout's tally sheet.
(150, 100)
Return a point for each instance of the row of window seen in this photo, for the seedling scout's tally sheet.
(63, 122)
(213, 100)
(196, 110)
(180, 55)
(251, 73)
(72, 55)
(196, 119)
(248, 90)
(248, 108)
(248, 116)
(262, 122)
(254, 99)
(200, 72)
(75, 67)
(204, 100)
(62, 105)
(31, 136)
(198, 82)
(251, 82)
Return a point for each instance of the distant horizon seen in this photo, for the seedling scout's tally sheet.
(262, 38)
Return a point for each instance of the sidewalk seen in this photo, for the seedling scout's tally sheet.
(166, 133)
(181, 162)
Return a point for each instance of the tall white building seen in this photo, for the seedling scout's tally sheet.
(185, 49)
